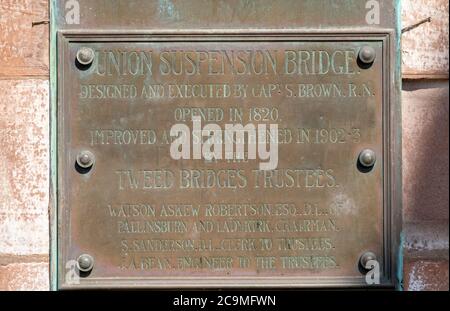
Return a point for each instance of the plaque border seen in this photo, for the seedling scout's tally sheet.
(392, 177)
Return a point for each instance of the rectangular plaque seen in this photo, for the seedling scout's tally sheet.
(153, 189)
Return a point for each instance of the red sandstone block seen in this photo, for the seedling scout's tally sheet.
(425, 151)
(24, 167)
(425, 48)
(23, 48)
(426, 275)
(24, 277)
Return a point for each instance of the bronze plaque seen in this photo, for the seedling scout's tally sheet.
(305, 203)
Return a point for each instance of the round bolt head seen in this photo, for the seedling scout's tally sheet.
(85, 159)
(365, 258)
(85, 263)
(85, 56)
(367, 55)
(367, 158)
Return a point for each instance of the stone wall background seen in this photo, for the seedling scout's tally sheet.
(24, 145)
(425, 103)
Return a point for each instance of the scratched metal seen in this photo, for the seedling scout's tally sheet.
(352, 207)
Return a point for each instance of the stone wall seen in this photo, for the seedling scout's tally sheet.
(425, 126)
(24, 145)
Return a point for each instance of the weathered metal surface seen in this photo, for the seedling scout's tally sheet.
(229, 14)
(149, 220)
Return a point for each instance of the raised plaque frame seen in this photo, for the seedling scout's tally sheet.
(391, 143)
(289, 19)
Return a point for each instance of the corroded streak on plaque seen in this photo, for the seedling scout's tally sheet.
(143, 215)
